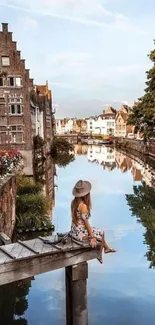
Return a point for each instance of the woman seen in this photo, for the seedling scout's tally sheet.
(81, 212)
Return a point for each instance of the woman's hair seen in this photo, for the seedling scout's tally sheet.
(75, 204)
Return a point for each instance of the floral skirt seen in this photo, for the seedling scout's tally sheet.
(79, 232)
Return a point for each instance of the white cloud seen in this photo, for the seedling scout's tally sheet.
(88, 12)
(130, 68)
(28, 22)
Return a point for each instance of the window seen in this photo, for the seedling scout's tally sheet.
(15, 109)
(1, 82)
(3, 120)
(17, 137)
(3, 137)
(5, 61)
(16, 127)
(15, 100)
(15, 81)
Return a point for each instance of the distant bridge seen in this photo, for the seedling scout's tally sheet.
(74, 137)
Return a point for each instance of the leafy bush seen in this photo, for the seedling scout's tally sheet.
(38, 142)
(26, 185)
(31, 205)
(37, 204)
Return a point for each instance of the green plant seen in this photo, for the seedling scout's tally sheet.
(143, 113)
(36, 203)
(26, 185)
(38, 142)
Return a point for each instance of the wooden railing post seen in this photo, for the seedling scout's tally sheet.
(76, 294)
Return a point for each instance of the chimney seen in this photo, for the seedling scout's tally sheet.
(4, 27)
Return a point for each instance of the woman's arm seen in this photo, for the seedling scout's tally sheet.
(84, 211)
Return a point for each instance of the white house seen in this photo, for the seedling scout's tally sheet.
(103, 124)
(69, 125)
(101, 154)
(37, 120)
(91, 125)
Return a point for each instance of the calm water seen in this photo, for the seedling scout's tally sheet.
(121, 291)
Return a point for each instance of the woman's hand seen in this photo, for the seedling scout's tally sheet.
(93, 242)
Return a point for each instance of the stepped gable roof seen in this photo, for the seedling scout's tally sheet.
(123, 115)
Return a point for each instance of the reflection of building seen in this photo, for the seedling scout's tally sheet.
(81, 149)
(123, 162)
(103, 155)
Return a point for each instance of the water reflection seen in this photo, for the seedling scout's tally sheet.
(14, 302)
(121, 291)
(110, 159)
(142, 205)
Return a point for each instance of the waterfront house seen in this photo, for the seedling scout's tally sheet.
(121, 127)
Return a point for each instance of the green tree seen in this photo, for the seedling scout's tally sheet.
(142, 205)
(62, 152)
(143, 113)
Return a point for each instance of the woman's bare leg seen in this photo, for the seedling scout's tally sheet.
(106, 248)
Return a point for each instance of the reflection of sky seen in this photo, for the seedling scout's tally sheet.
(121, 290)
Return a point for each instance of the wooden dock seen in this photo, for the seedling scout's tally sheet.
(25, 259)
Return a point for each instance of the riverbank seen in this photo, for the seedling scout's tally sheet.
(136, 147)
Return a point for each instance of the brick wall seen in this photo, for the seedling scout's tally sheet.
(7, 205)
(8, 92)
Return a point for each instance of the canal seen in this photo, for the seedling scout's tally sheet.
(121, 291)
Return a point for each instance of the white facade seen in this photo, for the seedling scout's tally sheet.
(69, 126)
(101, 125)
(64, 126)
(37, 120)
(91, 125)
(101, 154)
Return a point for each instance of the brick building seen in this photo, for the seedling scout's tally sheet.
(15, 85)
(41, 98)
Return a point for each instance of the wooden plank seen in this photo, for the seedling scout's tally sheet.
(49, 242)
(7, 253)
(4, 238)
(24, 244)
(22, 269)
(3, 257)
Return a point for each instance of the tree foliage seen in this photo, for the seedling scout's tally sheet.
(62, 152)
(142, 205)
(31, 205)
(143, 114)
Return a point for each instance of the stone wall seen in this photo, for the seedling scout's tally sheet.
(132, 144)
(7, 205)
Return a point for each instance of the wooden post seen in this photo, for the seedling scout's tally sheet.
(76, 294)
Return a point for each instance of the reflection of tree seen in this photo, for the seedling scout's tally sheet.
(142, 205)
(20, 321)
(62, 152)
(13, 299)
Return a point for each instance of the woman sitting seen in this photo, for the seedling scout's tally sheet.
(81, 212)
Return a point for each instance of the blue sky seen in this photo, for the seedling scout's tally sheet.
(92, 52)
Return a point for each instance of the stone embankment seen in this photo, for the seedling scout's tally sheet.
(137, 148)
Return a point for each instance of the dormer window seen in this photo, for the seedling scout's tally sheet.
(5, 61)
